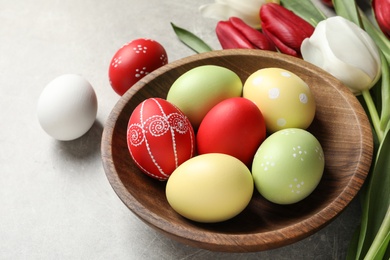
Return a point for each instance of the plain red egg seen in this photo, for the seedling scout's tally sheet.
(133, 61)
(235, 127)
(159, 137)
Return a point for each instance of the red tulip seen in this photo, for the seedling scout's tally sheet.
(236, 34)
(327, 3)
(382, 15)
(286, 29)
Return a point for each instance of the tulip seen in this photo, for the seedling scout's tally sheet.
(327, 3)
(346, 51)
(284, 28)
(236, 34)
(247, 10)
(382, 15)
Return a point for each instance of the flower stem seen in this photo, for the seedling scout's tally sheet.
(380, 237)
(373, 113)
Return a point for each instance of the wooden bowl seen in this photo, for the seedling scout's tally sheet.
(340, 125)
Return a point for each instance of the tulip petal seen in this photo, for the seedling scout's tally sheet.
(355, 79)
(284, 20)
(252, 35)
(231, 38)
(224, 9)
(352, 45)
(382, 14)
(330, 49)
(246, 6)
(281, 46)
(284, 28)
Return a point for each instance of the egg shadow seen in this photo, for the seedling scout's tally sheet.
(86, 147)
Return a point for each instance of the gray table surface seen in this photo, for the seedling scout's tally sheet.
(55, 200)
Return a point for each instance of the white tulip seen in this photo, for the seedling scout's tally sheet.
(247, 10)
(346, 51)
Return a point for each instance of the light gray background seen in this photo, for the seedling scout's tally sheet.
(55, 200)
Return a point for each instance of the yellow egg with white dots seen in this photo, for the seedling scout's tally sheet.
(284, 99)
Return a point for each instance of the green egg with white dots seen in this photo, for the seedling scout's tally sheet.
(288, 166)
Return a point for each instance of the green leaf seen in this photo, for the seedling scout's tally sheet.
(377, 35)
(374, 116)
(353, 245)
(380, 252)
(387, 253)
(376, 208)
(364, 221)
(347, 9)
(385, 93)
(305, 9)
(191, 40)
(376, 92)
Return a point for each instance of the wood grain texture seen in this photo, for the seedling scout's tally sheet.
(340, 125)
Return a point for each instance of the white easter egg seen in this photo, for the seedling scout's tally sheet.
(67, 107)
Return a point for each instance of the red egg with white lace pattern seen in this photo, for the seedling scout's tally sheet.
(159, 138)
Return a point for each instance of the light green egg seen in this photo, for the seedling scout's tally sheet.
(201, 88)
(288, 166)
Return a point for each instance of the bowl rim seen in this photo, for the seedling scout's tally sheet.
(261, 241)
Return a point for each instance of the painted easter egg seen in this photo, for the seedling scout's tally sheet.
(234, 126)
(201, 88)
(284, 98)
(288, 166)
(159, 137)
(210, 188)
(133, 61)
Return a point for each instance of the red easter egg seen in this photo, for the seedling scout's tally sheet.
(235, 127)
(159, 137)
(133, 61)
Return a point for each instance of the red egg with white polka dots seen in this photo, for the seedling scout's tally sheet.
(133, 61)
(159, 138)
